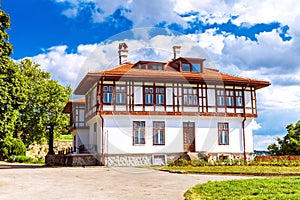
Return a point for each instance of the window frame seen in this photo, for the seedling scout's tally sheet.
(194, 96)
(155, 96)
(159, 128)
(238, 94)
(139, 128)
(116, 93)
(230, 94)
(220, 96)
(223, 128)
(108, 93)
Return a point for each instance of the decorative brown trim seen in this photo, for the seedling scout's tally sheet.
(178, 114)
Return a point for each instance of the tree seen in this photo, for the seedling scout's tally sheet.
(45, 99)
(290, 144)
(31, 103)
(5, 46)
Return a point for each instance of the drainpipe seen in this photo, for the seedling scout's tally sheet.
(102, 123)
(243, 122)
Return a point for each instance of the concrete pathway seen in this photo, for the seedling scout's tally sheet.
(36, 182)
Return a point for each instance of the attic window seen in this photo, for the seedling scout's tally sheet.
(193, 67)
(150, 66)
(196, 67)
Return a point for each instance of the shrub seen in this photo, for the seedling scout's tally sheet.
(200, 162)
(12, 146)
(20, 159)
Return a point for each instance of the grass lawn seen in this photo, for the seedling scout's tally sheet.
(266, 188)
(67, 138)
(255, 170)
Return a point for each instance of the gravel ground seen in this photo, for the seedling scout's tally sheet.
(37, 182)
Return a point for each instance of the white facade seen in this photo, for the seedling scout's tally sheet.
(118, 135)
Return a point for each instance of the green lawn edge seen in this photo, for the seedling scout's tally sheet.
(234, 170)
(255, 188)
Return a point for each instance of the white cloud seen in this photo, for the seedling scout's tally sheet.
(63, 66)
(255, 125)
(261, 142)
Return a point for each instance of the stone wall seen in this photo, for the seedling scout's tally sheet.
(73, 160)
(124, 160)
(40, 150)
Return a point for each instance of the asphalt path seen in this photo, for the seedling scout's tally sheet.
(39, 182)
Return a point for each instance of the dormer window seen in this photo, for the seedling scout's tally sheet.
(149, 65)
(191, 67)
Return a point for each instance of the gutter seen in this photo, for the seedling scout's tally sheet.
(243, 122)
(102, 122)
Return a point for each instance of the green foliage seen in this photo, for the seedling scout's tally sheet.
(290, 144)
(286, 188)
(5, 46)
(64, 138)
(25, 159)
(12, 146)
(31, 103)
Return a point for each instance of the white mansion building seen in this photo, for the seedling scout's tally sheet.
(147, 112)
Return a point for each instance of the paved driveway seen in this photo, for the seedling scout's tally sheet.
(96, 183)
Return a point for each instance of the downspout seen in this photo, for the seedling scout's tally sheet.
(243, 123)
(102, 121)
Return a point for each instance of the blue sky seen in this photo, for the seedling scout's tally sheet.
(246, 38)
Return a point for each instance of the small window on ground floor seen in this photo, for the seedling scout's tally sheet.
(138, 132)
(223, 133)
(158, 133)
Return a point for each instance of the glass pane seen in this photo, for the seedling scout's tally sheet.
(186, 67)
(196, 67)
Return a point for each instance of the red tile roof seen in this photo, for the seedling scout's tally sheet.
(125, 72)
(68, 107)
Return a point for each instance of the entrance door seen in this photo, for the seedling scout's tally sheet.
(189, 136)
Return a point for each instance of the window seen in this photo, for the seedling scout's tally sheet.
(193, 67)
(155, 67)
(148, 95)
(154, 95)
(229, 98)
(138, 132)
(108, 94)
(223, 133)
(120, 94)
(196, 67)
(190, 96)
(159, 95)
(186, 67)
(158, 133)
(220, 97)
(239, 98)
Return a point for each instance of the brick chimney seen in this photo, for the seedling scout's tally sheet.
(123, 53)
(176, 50)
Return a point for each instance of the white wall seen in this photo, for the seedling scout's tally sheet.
(118, 132)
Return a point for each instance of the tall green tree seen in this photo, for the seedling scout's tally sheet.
(290, 144)
(45, 99)
(31, 103)
(5, 46)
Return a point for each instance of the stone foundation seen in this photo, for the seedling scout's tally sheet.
(124, 160)
(73, 160)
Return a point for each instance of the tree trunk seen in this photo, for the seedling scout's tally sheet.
(51, 133)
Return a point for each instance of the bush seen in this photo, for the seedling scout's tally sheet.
(12, 146)
(20, 159)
